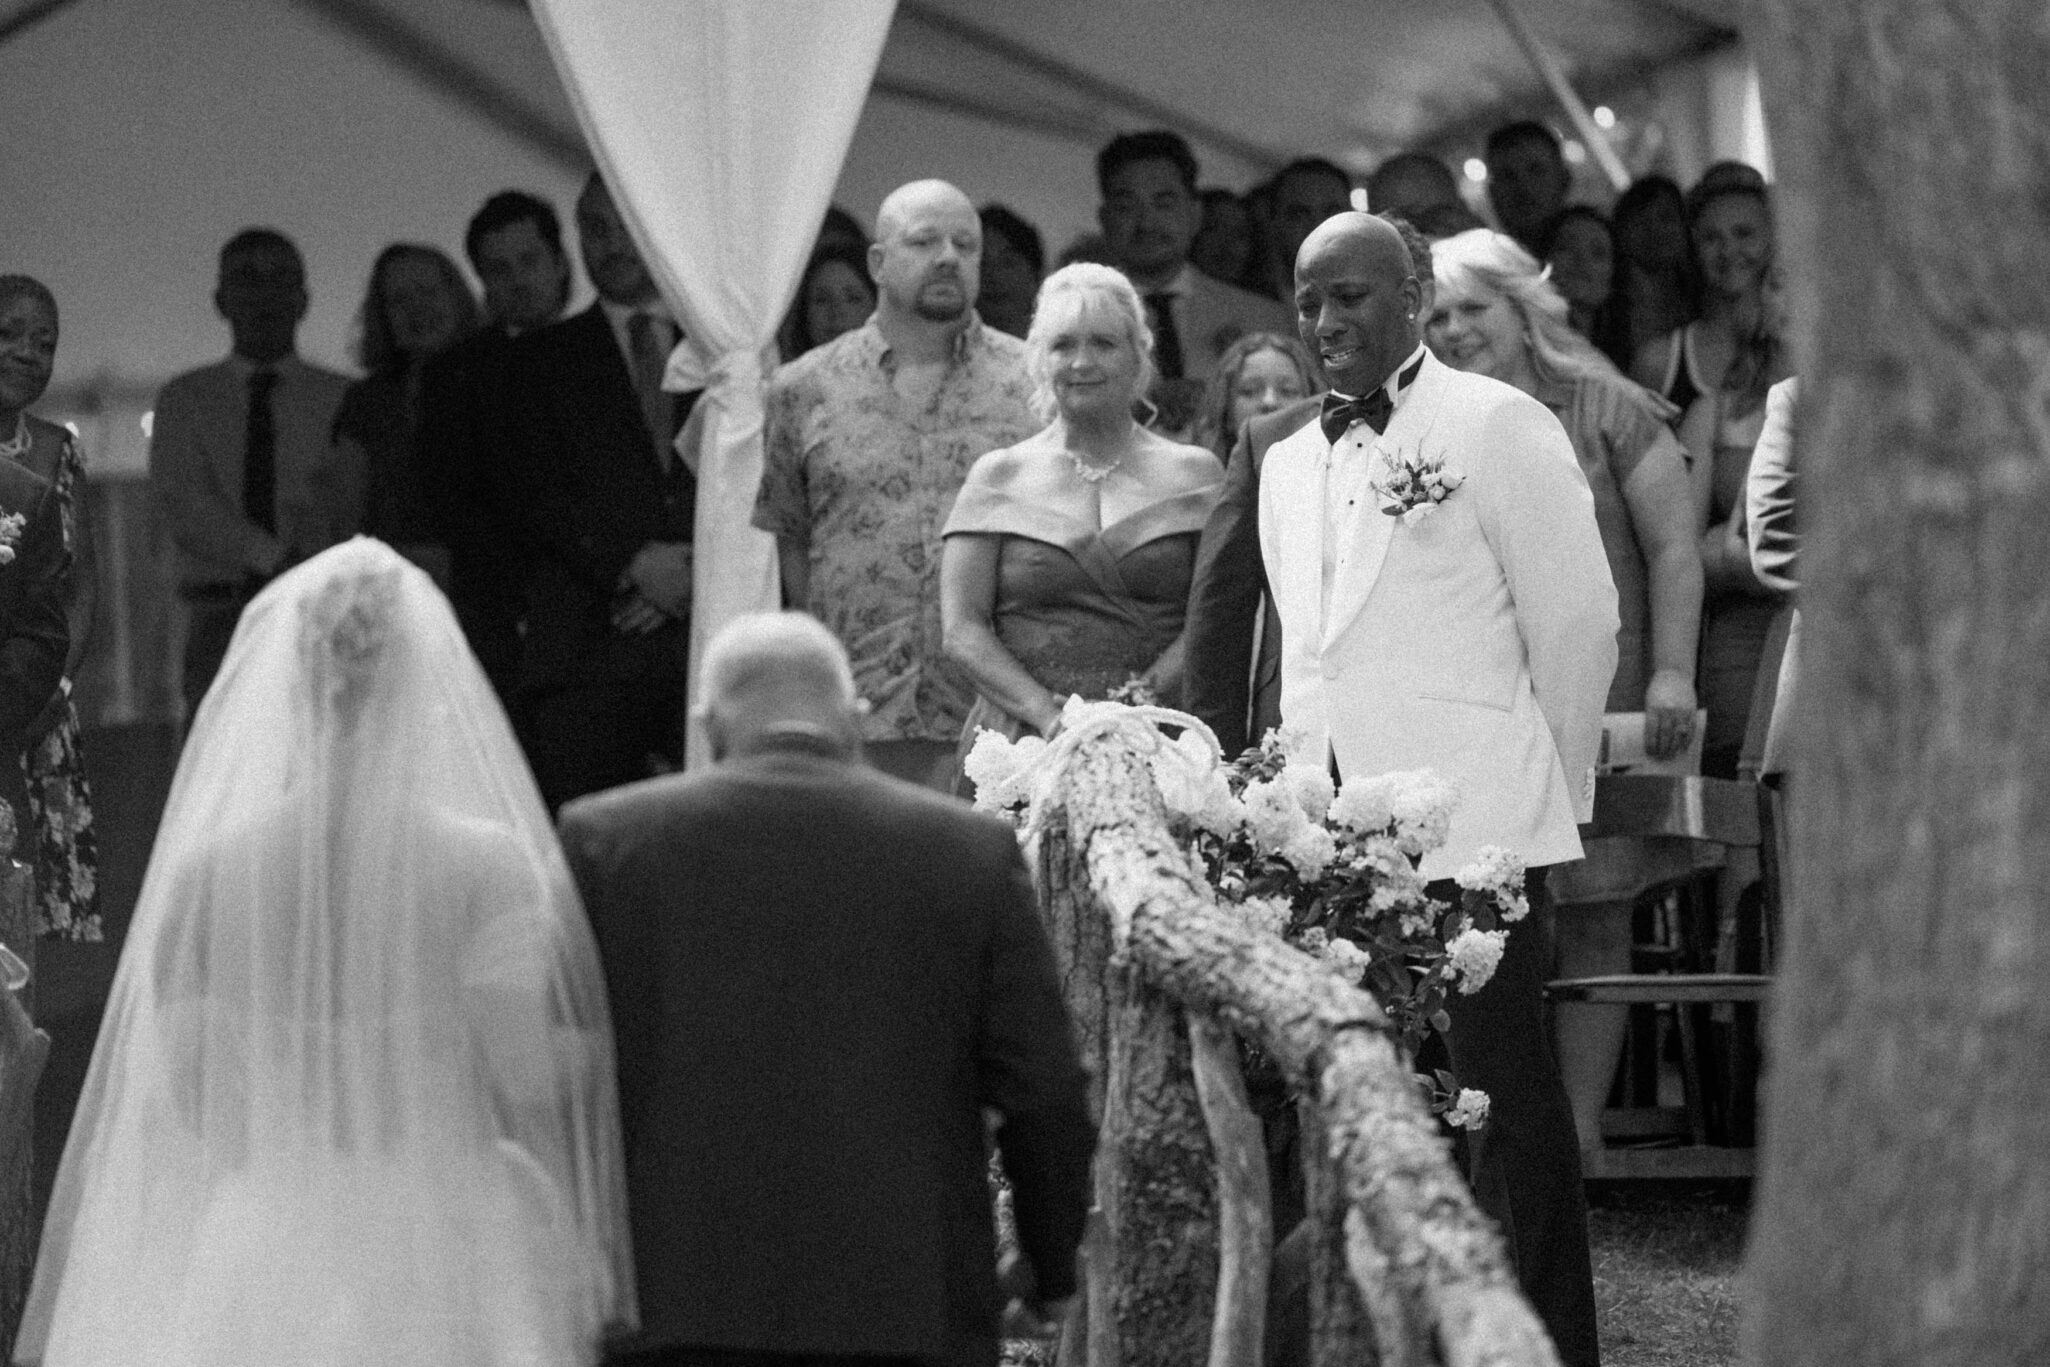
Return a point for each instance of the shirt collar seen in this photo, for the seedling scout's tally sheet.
(1400, 382)
(966, 341)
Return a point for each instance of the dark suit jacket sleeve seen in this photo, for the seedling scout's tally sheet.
(627, 964)
(1224, 603)
(39, 628)
(1031, 1074)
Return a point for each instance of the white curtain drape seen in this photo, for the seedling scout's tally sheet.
(721, 126)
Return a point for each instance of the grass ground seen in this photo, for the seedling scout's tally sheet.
(1665, 1270)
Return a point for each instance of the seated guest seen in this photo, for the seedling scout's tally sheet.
(242, 463)
(417, 307)
(1527, 179)
(1068, 555)
(1150, 214)
(1228, 246)
(1580, 248)
(1497, 315)
(1305, 193)
(1441, 221)
(1013, 260)
(59, 839)
(834, 296)
(1410, 185)
(514, 243)
(1654, 261)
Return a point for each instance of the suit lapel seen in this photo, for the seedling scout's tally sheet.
(1292, 476)
(1371, 532)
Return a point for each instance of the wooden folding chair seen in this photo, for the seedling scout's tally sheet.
(1719, 815)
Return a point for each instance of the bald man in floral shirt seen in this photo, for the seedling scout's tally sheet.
(867, 442)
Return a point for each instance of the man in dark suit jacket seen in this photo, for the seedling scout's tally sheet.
(604, 507)
(514, 243)
(822, 978)
(1236, 695)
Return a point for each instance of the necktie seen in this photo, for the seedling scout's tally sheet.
(650, 348)
(1167, 342)
(260, 454)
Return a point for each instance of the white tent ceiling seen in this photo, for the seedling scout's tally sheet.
(142, 132)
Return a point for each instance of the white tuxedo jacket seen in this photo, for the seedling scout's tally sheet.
(1478, 641)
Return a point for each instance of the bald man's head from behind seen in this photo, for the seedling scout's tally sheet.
(1357, 300)
(777, 673)
(927, 257)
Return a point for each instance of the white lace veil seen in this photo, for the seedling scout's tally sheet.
(359, 1006)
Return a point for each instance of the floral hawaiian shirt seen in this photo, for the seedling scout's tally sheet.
(871, 478)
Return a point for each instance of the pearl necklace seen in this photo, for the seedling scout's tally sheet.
(1094, 474)
(17, 445)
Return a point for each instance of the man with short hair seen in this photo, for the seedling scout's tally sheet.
(1527, 179)
(243, 467)
(822, 980)
(1410, 185)
(514, 243)
(1471, 632)
(1306, 192)
(1150, 214)
(866, 442)
(603, 506)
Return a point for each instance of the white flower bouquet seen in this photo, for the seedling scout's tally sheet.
(1331, 870)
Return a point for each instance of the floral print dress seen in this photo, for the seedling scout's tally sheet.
(61, 843)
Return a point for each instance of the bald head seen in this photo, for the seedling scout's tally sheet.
(927, 257)
(908, 202)
(775, 669)
(1357, 300)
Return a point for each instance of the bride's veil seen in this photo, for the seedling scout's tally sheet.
(359, 1003)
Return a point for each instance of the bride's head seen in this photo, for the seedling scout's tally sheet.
(348, 640)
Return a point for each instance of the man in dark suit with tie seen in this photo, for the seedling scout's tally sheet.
(830, 989)
(603, 505)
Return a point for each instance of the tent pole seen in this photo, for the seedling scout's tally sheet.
(20, 17)
(1562, 89)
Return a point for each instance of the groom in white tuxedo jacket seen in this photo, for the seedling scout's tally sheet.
(1463, 621)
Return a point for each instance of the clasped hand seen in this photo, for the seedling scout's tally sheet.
(655, 588)
(1668, 714)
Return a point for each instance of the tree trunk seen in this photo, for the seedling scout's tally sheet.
(1903, 1211)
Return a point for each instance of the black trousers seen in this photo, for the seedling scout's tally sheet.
(1524, 1164)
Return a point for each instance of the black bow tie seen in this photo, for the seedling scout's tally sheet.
(1340, 413)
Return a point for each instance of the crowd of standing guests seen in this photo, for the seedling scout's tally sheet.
(995, 484)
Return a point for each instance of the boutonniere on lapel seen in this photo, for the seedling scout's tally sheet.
(1411, 484)
(11, 527)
